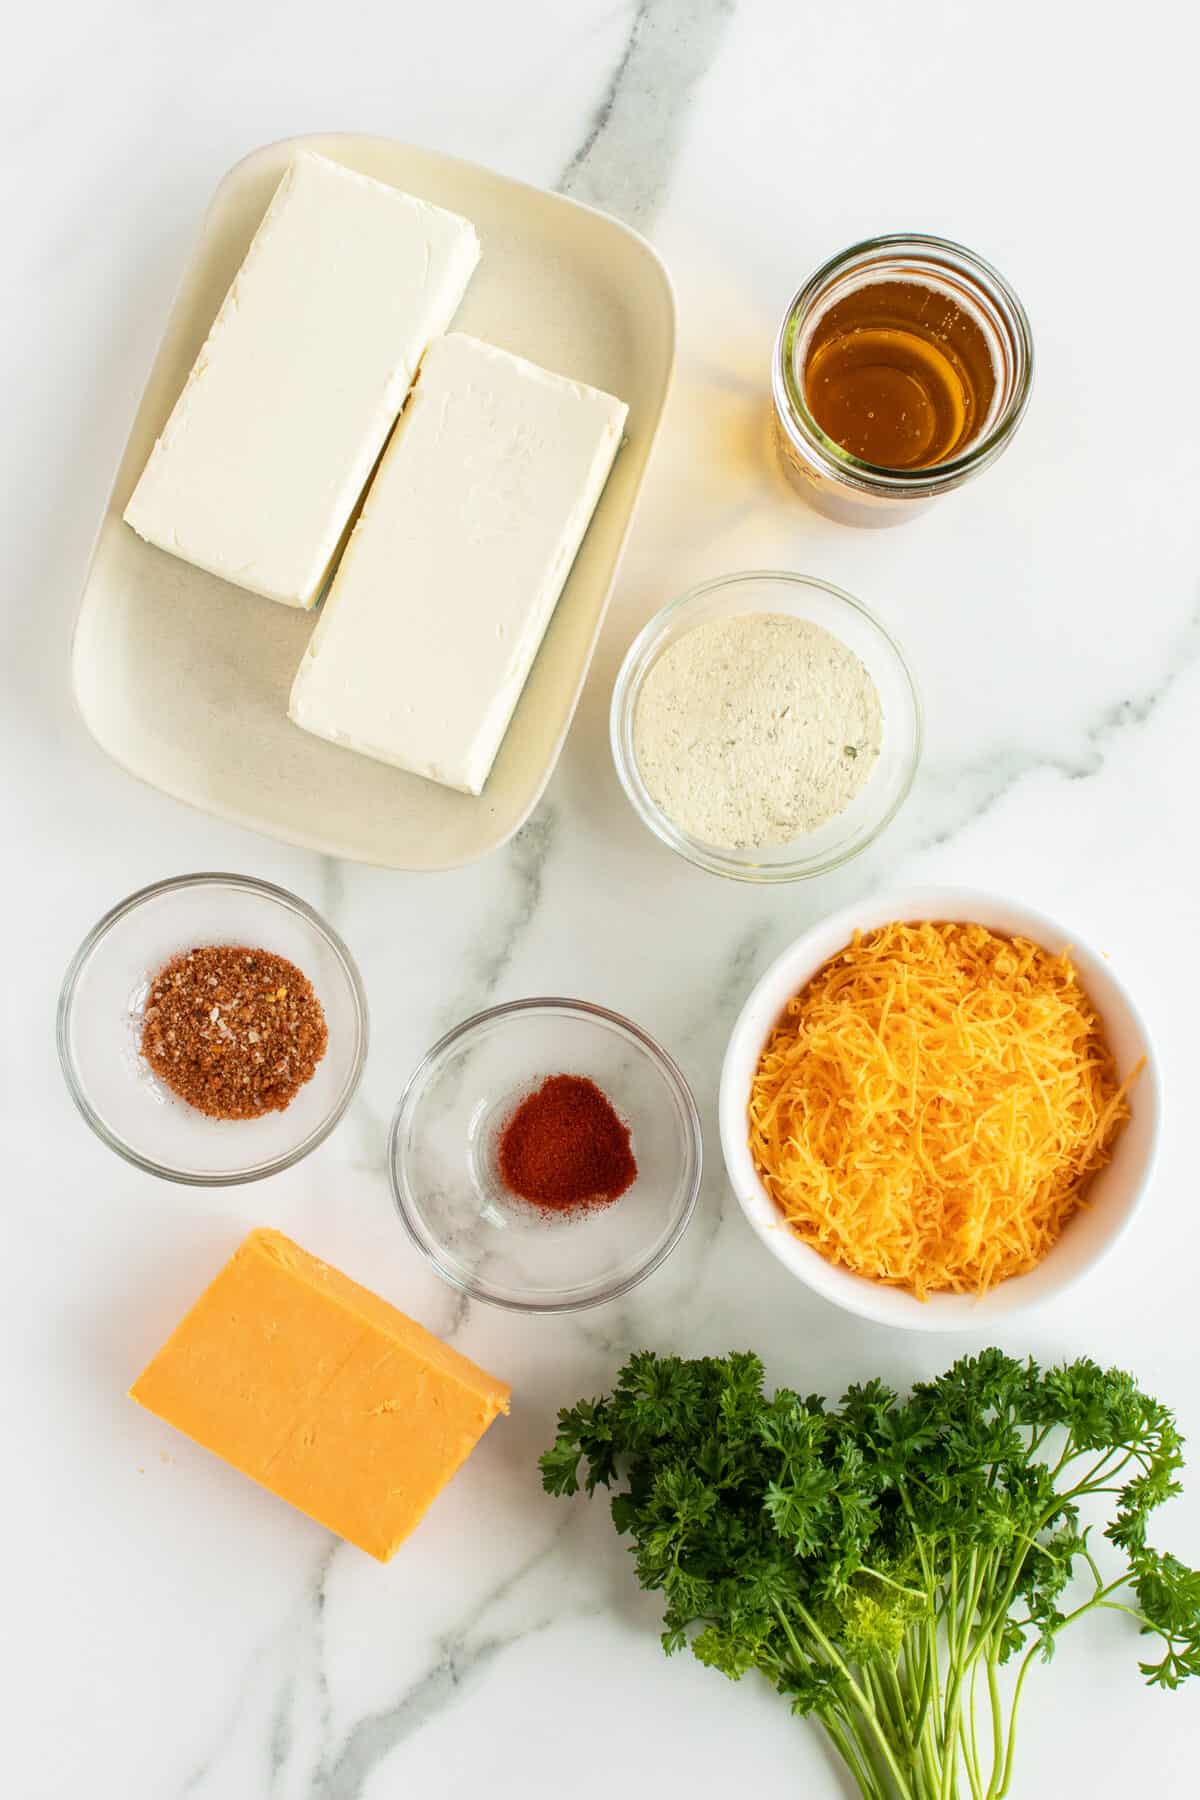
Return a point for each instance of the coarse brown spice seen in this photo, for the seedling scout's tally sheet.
(235, 1032)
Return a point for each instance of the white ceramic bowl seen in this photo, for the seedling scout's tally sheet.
(1115, 1194)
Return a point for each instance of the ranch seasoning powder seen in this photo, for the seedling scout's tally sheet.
(755, 730)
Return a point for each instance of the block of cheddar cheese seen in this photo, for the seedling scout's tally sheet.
(322, 1392)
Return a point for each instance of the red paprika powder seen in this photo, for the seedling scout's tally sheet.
(565, 1148)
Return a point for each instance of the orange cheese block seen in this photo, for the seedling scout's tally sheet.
(322, 1392)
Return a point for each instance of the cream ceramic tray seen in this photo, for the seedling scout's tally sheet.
(184, 680)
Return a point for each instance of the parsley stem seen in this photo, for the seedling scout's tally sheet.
(848, 1749)
(1026, 1660)
(901, 1717)
(1100, 1599)
(899, 1586)
(997, 1725)
(973, 1758)
(916, 1656)
(864, 1701)
(968, 1764)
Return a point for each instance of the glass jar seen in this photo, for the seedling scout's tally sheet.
(838, 483)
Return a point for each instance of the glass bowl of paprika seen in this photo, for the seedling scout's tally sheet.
(546, 1156)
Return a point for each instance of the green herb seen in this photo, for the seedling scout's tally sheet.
(879, 1563)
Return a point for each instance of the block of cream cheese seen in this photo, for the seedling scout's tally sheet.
(274, 437)
(449, 580)
(321, 1392)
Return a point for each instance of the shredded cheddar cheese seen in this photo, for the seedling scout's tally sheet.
(931, 1107)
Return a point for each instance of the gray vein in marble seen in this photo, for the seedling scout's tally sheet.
(376, 1736)
(614, 1331)
(624, 162)
(490, 956)
(211, 1760)
(281, 1740)
(715, 1014)
(282, 1737)
(988, 780)
(369, 1126)
(711, 1022)
(462, 1654)
(318, 1606)
(486, 959)
(463, 1657)
(331, 876)
(457, 1312)
(371, 1129)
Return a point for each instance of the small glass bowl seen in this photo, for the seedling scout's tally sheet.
(100, 1012)
(800, 597)
(446, 1185)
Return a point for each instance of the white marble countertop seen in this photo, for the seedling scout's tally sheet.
(172, 1631)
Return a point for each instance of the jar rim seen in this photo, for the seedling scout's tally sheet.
(841, 464)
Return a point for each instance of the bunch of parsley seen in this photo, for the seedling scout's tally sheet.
(879, 1563)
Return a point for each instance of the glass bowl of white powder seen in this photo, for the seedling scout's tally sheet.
(766, 726)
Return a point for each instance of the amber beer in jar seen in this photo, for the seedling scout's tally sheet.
(902, 368)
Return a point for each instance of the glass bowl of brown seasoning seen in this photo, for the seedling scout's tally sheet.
(212, 1029)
